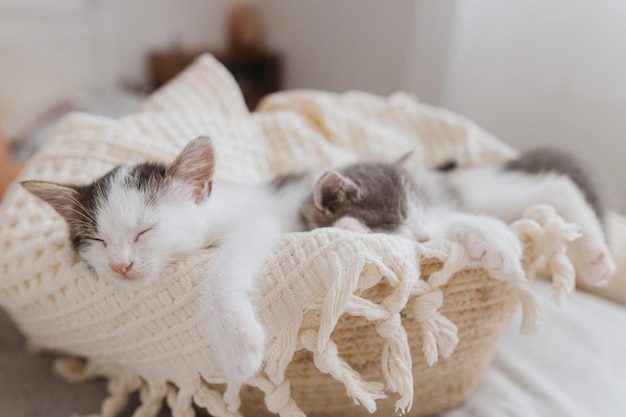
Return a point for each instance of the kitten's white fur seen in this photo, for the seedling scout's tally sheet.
(489, 241)
(242, 221)
(490, 197)
(177, 226)
(506, 195)
(433, 214)
(137, 234)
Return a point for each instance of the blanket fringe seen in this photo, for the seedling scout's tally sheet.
(277, 397)
(329, 362)
(550, 234)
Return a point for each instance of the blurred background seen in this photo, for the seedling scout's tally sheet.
(531, 72)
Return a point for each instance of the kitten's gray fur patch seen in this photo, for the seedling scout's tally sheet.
(547, 160)
(83, 222)
(147, 177)
(382, 202)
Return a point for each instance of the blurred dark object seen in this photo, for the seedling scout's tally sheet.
(245, 32)
(257, 70)
(258, 73)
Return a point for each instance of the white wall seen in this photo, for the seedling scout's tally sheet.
(102, 43)
(131, 28)
(332, 45)
(429, 49)
(53, 32)
(537, 73)
(339, 45)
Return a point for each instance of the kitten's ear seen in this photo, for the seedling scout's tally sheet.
(62, 198)
(195, 166)
(332, 191)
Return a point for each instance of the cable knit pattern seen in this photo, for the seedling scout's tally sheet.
(355, 323)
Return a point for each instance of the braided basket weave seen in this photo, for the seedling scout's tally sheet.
(478, 305)
(355, 323)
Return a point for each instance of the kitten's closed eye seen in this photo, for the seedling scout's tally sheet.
(95, 239)
(143, 233)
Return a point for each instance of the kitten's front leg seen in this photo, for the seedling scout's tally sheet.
(489, 241)
(237, 337)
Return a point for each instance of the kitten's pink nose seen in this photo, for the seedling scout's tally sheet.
(122, 268)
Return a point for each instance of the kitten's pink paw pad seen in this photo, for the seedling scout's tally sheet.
(598, 260)
(598, 269)
(499, 254)
(500, 263)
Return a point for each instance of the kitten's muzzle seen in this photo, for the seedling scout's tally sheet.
(122, 268)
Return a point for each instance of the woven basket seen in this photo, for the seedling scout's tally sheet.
(390, 306)
(479, 306)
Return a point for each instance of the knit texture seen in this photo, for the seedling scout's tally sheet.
(355, 322)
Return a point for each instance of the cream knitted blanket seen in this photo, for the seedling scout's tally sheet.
(154, 340)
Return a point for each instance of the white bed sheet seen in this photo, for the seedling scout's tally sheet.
(574, 367)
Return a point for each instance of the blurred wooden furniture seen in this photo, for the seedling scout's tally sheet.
(257, 72)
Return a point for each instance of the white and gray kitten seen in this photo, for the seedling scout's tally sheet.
(386, 198)
(469, 206)
(132, 222)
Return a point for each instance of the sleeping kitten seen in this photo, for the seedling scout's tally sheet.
(132, 222)
(384, 197)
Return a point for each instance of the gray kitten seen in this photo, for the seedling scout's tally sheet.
(470, 206)
(356, 191)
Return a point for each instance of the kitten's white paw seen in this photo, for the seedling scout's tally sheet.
(239, 349)
(594, 262)
(496, 249)
(351, 224)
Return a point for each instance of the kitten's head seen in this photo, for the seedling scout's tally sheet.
(379, 195)
(131, 222)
